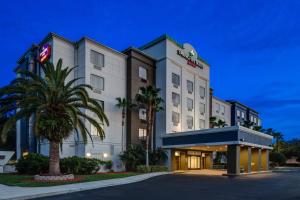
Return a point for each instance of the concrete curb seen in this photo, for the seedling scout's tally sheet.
(18, 193)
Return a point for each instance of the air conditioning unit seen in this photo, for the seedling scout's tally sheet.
(97, 91)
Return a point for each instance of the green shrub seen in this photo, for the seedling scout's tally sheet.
(151, 168)
(277, 158)
(133, 156)
(108, 164)
(78, 165)
(159, 168)
(37, 164)
(157, 156)
(143, 169)
(33, 164)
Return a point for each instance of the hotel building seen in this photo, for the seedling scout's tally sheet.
(182, 128)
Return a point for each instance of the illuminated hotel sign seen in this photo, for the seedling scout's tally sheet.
(190, 55)
(45, 53)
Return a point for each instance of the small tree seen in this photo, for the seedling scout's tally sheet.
(124, 104)
(133, 156)
(248, 124)
(278, 138)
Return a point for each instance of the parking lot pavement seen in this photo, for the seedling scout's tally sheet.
(277, 185)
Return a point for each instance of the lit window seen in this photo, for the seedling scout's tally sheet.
(97, 83)
(175, 118)
(202, 108)
(190, 122)
(202, 92)
(143, 73)
(202, 124)
(142, 114)
(190, 86)
(175, 80)
(243, 115)
(190, 104)
(97, 59)
(142, 133)
(175, 99)
(94, 130)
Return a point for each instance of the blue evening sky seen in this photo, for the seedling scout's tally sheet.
(253, 47)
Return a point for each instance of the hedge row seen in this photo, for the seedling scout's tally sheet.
(39, 164)
(151, 168)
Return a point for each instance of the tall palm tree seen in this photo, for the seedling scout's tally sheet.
(58, 106)
(278, 138)
(150, 99)
(124, 104)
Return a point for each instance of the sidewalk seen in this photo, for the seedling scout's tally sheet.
(13, 192)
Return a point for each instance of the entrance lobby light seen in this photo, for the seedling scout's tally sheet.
(177, 153)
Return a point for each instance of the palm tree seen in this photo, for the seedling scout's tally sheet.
(221, 123)
(150, 99)
(248, 124)
(124, 104)
(57, 105)
(258, 128)
(216, 123)
(278, 138)
(213, 122)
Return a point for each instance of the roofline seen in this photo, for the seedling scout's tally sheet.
(54, 35)
(219, 99)
(167, 37)
(139, 51)
(237, 102)
(99, 44)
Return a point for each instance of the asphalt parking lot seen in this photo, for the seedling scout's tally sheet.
(276, 185)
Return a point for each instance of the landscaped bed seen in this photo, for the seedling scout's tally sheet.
(27, 180)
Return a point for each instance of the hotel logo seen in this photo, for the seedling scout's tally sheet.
(189, 53)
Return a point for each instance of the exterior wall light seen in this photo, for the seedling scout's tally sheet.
(105, 155)
(177, 153)
(88, 155)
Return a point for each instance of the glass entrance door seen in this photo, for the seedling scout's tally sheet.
(194, 162)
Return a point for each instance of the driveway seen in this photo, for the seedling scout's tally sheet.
(277, 185)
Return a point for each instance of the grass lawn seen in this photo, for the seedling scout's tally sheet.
(27, 180)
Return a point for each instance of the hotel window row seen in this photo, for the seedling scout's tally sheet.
(189, 121)
(190, 85)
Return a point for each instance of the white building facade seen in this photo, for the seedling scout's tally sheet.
(184, 82)
(221, 110)
(105, 70)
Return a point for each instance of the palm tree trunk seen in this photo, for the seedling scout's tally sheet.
(54, 168)
(151, 130)
(123, 123)
(148, 133)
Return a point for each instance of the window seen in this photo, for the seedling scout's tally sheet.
(201, 124)
(175, 99)
(222, 109)
(190, 86)
(190, 122)
(143, 73)
(238, 113)
(175, 118)
(243, 115)
(97, 83)
(97, 59)
(190, 104)
(202, 108)
(251, 119)
(218, 108)
(175, 80)
(142, 114)
(94, 130)
(238, 123)
(142, 133)
(202, 92)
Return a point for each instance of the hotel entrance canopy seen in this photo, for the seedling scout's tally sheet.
(235, 135)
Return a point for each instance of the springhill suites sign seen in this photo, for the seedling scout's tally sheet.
(189, 53)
